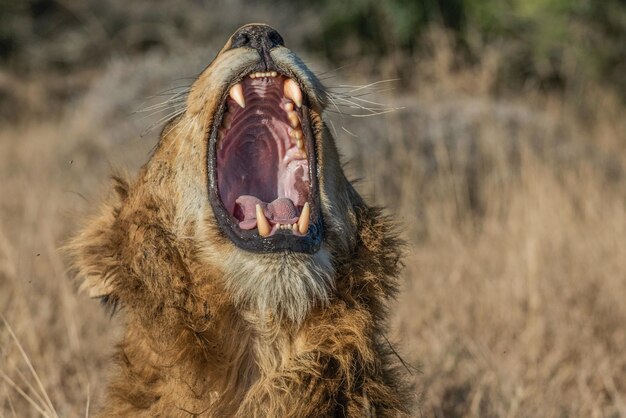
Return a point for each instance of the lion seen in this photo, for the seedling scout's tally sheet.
(252, 278)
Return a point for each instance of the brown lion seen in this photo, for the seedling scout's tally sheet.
(252, 278)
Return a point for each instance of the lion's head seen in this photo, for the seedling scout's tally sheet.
(250, 175)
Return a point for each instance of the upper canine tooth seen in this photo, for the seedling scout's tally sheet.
(293, 92)
(236, 93)
(274, 73)
(262, 223)
(304, 219)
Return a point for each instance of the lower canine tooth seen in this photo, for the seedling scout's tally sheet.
(262, 223)
(236, 93)
(303, 221)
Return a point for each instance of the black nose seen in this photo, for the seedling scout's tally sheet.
(260, 37)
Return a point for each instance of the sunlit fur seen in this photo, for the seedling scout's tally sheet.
(218, 331)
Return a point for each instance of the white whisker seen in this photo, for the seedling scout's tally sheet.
(348, 132)
(166, 118)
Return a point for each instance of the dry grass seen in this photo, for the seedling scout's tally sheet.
(513, 301)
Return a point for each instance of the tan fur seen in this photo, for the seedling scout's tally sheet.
(214, 331)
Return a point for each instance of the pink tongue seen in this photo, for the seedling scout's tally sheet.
(281, 210)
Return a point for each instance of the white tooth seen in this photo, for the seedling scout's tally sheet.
(294, 227)
(236, 93)
(293, 119)
(303, 221)
(274, 73)
(262, 223)
(289, 107)
(252, 75)
(295, 133)
(292, 91)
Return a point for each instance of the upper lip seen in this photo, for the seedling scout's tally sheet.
(250, 240)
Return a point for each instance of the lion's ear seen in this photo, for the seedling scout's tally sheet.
(95, 250)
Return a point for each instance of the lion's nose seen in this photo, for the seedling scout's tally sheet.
(258, 36)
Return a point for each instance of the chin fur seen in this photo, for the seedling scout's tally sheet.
(282, 286)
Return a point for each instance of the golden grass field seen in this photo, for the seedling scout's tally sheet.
(513, 299)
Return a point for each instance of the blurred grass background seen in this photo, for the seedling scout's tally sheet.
(504, 162)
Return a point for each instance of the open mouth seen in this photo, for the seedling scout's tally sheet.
(262, 166)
